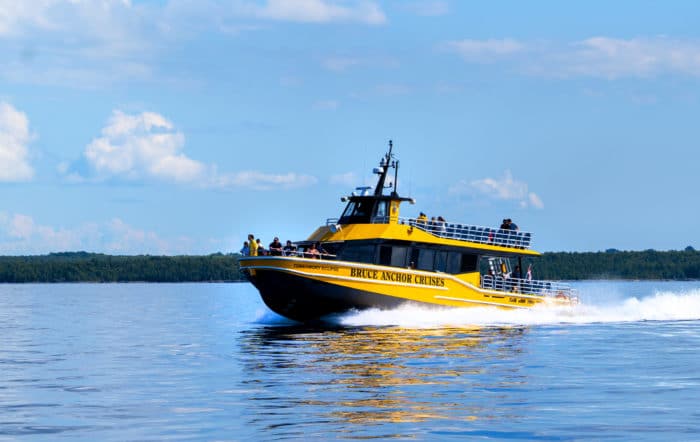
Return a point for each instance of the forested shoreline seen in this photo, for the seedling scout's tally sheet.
(95, 267)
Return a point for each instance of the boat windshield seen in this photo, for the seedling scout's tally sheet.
(363, 211)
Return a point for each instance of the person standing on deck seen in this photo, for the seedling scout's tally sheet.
(253, 246)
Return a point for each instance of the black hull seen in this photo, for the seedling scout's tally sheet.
(303, 299)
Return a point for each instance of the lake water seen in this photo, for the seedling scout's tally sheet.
(115, 362)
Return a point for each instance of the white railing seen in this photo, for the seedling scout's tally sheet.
(477, 234)
(463, 232)
(529, 287)
(300, 254)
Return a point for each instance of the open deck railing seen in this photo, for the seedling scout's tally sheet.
(529, 286)
(477, 234)
(463, 232)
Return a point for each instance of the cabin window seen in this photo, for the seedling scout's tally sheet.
(426, 257)
(441, 261)
(357, 212)
(393, 256)
(398, 256)
(359, 253)
(470, 263)
(381, 214)
(454, 261)
(385, 255)
(349, 209)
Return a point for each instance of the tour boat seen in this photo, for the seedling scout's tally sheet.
(371, 257)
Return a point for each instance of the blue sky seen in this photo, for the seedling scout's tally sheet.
(179, 126)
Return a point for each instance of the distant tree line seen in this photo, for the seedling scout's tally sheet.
(95, 267)
(615, 264)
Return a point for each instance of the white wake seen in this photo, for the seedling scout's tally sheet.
(661, 306)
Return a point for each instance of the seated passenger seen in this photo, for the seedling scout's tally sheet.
(321, 252)
(275, 247)
(261, 249)
(312, 252)
(289, 249)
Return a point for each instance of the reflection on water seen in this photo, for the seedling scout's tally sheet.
(354, 377)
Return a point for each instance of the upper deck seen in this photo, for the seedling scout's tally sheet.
(461, 232)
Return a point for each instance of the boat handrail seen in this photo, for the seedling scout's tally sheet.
(529, 286)
(473, 233)
(304, 254)
(462, 232)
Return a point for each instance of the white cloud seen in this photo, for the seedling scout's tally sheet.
(342, 64)
(263, 181)
(81, 44)
(21, 234)
(317, 11)
(147, 146)
(505, 188)
(637, 57)
(484, 51)
(142, 146)
(535, 200)
(600, 56)
(14, 139)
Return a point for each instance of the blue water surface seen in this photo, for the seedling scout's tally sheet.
(116, 362)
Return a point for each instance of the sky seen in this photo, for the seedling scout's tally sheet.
(180, 126)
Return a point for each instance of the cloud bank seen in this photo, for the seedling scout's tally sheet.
(148, 147)
(505, 188)
(21, 234)
(316, 11)
(599, 57)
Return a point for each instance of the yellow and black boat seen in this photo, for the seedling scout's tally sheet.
(371, 257)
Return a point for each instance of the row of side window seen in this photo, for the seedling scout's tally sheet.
(421, 258)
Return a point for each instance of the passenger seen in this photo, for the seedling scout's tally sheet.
(312, 252)
(322, 253)
(289, 249)
(276, 247)
(245, 250)
(527, 285)
(502, 235)
(514, 239)
(253, 245)
(422, 219)
(516, 273)
(441, 224)
(261, 249)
